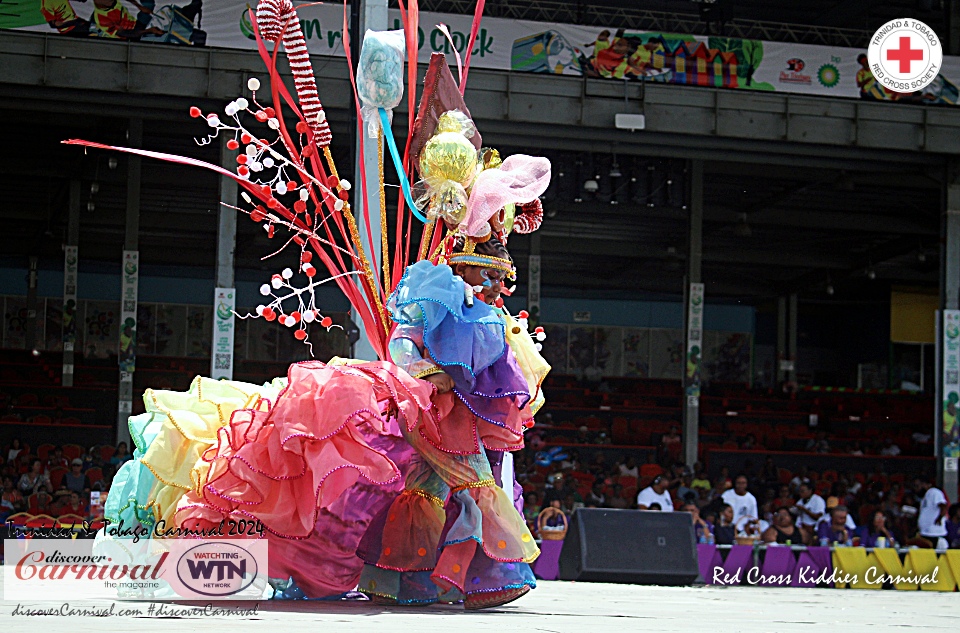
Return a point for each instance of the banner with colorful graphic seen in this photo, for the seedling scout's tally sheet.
(502, 44)
(950, 387)
(130, 278)
(70, 267)
(221, 361)
(691, 374)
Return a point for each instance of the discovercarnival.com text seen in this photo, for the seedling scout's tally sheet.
(159, 610)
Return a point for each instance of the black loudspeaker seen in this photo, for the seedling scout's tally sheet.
(629, 546)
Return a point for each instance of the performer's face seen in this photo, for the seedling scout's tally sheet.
(490, 279)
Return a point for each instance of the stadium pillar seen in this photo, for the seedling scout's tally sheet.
(70, 284)
(129, 278)
(953, 27)
(693, 323)
(30, 327)
(791, 373)
(781, 353)
(372, 14)
(224, 292)
(946, 439)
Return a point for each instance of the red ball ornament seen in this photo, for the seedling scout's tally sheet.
(308, 151)
(272, 203)
(524, 314)
(498, 302)
(195, 111)
(299, 206)
(310, 272)
(306, 256)
(538, 330)
(333, 182)
(258, 214)
(296, 315)
(291, 186)
(245, 138)
(344, 195)
(242, 170)
(266, 190)
(262, 116)
(302, 127)
(300, 335)
(268, 314)
(233, 144)
(242, 159)
(270, 112)
(326, 322)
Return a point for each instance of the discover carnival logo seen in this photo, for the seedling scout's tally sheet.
(905, 55)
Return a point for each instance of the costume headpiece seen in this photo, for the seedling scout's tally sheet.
(471, 257)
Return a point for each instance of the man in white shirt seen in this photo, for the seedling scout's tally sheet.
(810, 509)
(932, 521)
(657, 493)
(742, 501)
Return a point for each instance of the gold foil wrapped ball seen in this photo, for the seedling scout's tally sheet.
(448, 156)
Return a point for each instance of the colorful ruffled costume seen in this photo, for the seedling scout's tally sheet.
(359, 458)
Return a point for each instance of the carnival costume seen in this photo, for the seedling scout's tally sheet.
(361, 472)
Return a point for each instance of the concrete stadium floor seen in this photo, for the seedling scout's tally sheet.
(554, 607)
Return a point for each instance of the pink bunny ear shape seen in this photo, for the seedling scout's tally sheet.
(520, 179)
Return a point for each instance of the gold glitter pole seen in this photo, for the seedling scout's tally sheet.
(383, 214)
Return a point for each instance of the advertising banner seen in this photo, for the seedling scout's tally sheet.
(69, 297)
(691, 376)
(128, 311)
(503, 44)
(950, 387)
(223, 333)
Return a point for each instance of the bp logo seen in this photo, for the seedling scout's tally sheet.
(223, 311)
(953, 331)
(246, 27)
(217, 569)
(71, 260)
(828, 75)
(130, 268)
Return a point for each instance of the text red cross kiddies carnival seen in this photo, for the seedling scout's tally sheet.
(905, 54)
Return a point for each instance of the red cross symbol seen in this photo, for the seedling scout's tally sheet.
(905, 54)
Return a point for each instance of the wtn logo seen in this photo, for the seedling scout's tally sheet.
(224, 568)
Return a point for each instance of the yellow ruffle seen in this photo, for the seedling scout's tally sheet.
(532, 364)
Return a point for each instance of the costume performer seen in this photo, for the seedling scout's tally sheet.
(383, 474)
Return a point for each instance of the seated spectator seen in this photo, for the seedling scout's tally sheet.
(75, 480)
(889, 448)
(770, 474)
(89, 459)
(571, 503)
(629, 468)
(724, 531)
(12, 501)
(531, 508)
(701, 481)
(672, 443)
(832, 503)
(702, 530)
(15, 449)
(953, 526)
(583, 435)
(749, 442)
(783, 531)
(801, 477)
(120, 455)
(743, 502)
(655, 493)
(596, 498)
(723, 482)
(44, 500)
(103, 484)
(876, 533)
(56, 460)
(572, 461)
(784, 499)
(32, 481)
(599, 467)
(616, 500)
(810, 508)
(685, 491)
(558, 492)
(835, 531)
(819, 444)
(71, 504)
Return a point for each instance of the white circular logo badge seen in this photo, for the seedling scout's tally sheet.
(905, 55)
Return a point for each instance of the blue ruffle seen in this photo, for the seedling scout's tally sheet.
(463, 340)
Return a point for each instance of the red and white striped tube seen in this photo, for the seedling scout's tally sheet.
(278, 18)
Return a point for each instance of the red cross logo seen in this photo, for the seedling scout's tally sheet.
(905, 55)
